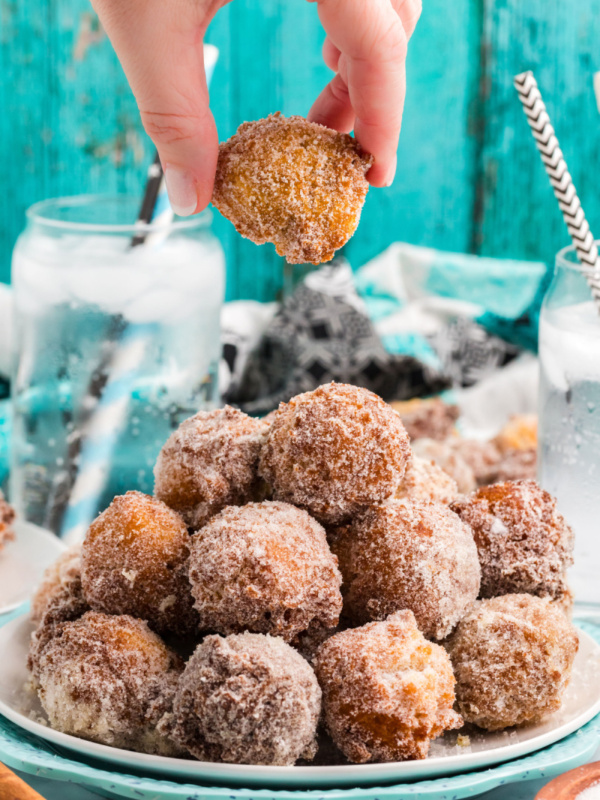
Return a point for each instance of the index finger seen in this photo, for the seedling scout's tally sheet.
(373, 40)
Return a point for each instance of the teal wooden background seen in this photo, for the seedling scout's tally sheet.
(468, 176)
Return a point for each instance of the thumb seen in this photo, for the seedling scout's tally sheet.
(159, 44)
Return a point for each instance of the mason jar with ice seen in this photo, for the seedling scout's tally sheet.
(116, 345)
(569, 409)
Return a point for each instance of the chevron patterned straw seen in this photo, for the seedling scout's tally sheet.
(560, 178)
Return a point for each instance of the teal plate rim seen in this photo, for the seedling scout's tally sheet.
(29, 754)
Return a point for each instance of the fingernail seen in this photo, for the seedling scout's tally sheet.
(391, 174)
(181, 190)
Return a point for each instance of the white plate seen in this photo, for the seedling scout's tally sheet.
(23, 561)
(581, 704)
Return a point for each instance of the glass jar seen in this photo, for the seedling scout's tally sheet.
(116, 345)
(569, 414)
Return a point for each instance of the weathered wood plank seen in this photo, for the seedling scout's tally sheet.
(431, 200)
(69, 123)
(558, 39)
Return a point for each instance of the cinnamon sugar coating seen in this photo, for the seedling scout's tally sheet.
(7, 516)
(334, 451)
(515, 465)
(512, 658)
(429, 418)
(519, 433)
(108, 679)
(211, 462)
(134, 561)
(65, 604)
(524, 543)
(267, 568)
(246, 699)
(424, 480)
(408, 555)
(387, 692)
(473, 463)
(565, 601)
(294, 183)
(446, 456)
(64, 575)
(483, 458)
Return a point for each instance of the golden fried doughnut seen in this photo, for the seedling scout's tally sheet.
(519, 433)
(334, 451)
(108, 679)
(134, 561)
(429, 418)
(424, 480)
(7, 516)
(524, 543)
(515, 465)
(446, 456)
(512, 658)
(63, 576)
(387, 692)
(246, 699)
(211, 462)
(294, 183)
(414, 555)
(483, 458)
(267, 568)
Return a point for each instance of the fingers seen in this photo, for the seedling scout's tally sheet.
(372, 40)
(331, 55)
(333, 108)
(159, 44)
(409, 12)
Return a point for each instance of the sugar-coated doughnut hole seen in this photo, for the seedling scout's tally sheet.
(512, 658)
(7, 516)
(211, 462)
(63, 575)
(246, 699)
(429, 418)
(108, 679)
(519, 433)
(387, 691)
(292, 182)
(334, 451)
(524, 543)
(134, 561)
(264, 567)
(408, 555)
(446, 456)
(424, 480)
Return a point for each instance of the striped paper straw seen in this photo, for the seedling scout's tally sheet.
(109, 415)
(560, 178)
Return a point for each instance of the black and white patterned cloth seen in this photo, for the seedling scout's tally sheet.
(469, 353)
(322, 333)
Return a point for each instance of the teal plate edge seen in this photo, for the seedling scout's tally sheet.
(26, 752)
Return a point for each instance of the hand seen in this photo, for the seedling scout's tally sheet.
(366, 48)
(159, 44)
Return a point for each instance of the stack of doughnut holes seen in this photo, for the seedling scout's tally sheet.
(305, 587)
